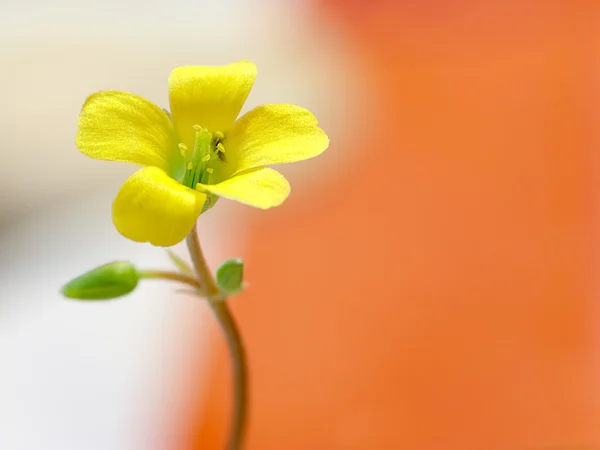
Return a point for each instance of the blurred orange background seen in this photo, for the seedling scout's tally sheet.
(442, 294)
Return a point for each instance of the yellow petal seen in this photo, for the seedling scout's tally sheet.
(118, 126)
(273, 134)
(211, 97)
(261, 187)
(153, 207)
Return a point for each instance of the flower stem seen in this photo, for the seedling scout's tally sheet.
(216, 300)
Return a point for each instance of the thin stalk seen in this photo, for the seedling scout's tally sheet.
(216, 300)
(173, 276)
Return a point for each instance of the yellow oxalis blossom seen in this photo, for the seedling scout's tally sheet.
(199, 153)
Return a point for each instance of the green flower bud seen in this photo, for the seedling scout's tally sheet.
(230, 276)
(111, 280)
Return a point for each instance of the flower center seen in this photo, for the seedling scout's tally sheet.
(206, 157)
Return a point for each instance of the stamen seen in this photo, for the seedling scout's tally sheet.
(207, 150)
(183, 150)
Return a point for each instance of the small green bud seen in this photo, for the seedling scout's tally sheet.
(230, 276)
(111, 280)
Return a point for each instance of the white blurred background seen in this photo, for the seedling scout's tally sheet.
(101, 375)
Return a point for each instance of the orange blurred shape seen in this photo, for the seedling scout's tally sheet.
(442, 295)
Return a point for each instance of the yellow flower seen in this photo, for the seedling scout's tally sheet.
(198, 153)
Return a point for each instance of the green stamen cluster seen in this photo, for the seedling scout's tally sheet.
(208, 149)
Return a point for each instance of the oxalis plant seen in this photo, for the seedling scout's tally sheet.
(190, 157)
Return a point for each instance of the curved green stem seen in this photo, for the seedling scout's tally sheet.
(216, 300)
